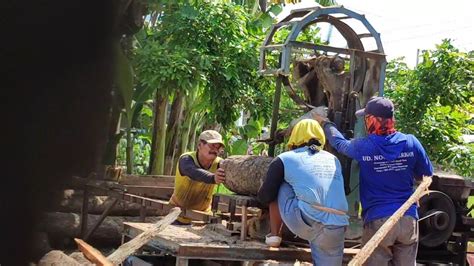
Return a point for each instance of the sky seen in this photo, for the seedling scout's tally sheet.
(408, 25)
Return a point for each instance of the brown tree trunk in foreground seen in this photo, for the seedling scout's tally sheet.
(245, 174)
(157, 157)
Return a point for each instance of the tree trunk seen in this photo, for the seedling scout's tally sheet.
(172, 134)
(189, 116)
(185, 132)
(244, 174)
(159, 135)
(129, 151)
(196, 130)
(114, 134)
(60, 225)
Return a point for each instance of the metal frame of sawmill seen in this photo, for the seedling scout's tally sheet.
(298, 20)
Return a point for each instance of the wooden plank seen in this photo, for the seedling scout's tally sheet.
(131, 230)
(125, 250)
(186, 242)
(242, 253)
(180, 240)
(158, 192)
(80, 183)
(84, 211)
(244, 226)
(370, 246)
(92, 254)
(145, 180)
(152, 203)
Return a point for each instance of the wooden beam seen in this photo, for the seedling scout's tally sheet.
(151, 203)
(159, 192)
(234, 253)
(370, 246)
(145, 180)
(125, 250)
(84, 211)
(92, 254)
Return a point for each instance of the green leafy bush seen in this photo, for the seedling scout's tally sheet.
(435, 102)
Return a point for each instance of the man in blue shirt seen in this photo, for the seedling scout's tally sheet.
(389, 162)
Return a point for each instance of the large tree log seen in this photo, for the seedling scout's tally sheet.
(244, 174)
(67, 225)
(71, 201)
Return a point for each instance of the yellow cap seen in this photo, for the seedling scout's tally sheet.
(305, 130)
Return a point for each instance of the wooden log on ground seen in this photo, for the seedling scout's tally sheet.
(71, 201)
(67, 225)
(370, 246)
(57, 257)
(245, 173)
(125, 250)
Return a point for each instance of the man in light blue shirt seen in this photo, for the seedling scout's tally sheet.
(305, 188)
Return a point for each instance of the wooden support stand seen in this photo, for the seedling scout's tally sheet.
(234, 202)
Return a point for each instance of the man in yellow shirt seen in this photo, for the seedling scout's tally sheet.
(198, 173)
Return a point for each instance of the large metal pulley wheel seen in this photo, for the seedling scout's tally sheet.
(437, 219)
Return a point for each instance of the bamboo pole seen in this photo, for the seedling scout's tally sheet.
(368, 248)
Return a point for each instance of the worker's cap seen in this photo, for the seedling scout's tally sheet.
(304, 131)
(379, 107)
(211, 136)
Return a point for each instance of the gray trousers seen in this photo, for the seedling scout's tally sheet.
(399, 246)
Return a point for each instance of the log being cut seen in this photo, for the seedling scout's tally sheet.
(244, 174)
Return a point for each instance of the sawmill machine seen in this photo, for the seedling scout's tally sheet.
(343, 78)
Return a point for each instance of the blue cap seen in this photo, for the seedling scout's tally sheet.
(379, 107)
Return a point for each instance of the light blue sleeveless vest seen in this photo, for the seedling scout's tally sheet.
(316, 179)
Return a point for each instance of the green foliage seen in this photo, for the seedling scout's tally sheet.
(435, 102)
(239, 139)
(141, 153)
(209, 46)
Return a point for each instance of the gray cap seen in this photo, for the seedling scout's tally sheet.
(211, 136)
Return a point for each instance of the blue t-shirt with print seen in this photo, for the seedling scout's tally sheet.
(388, 166)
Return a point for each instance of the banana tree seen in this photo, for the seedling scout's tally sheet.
(132, 98)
